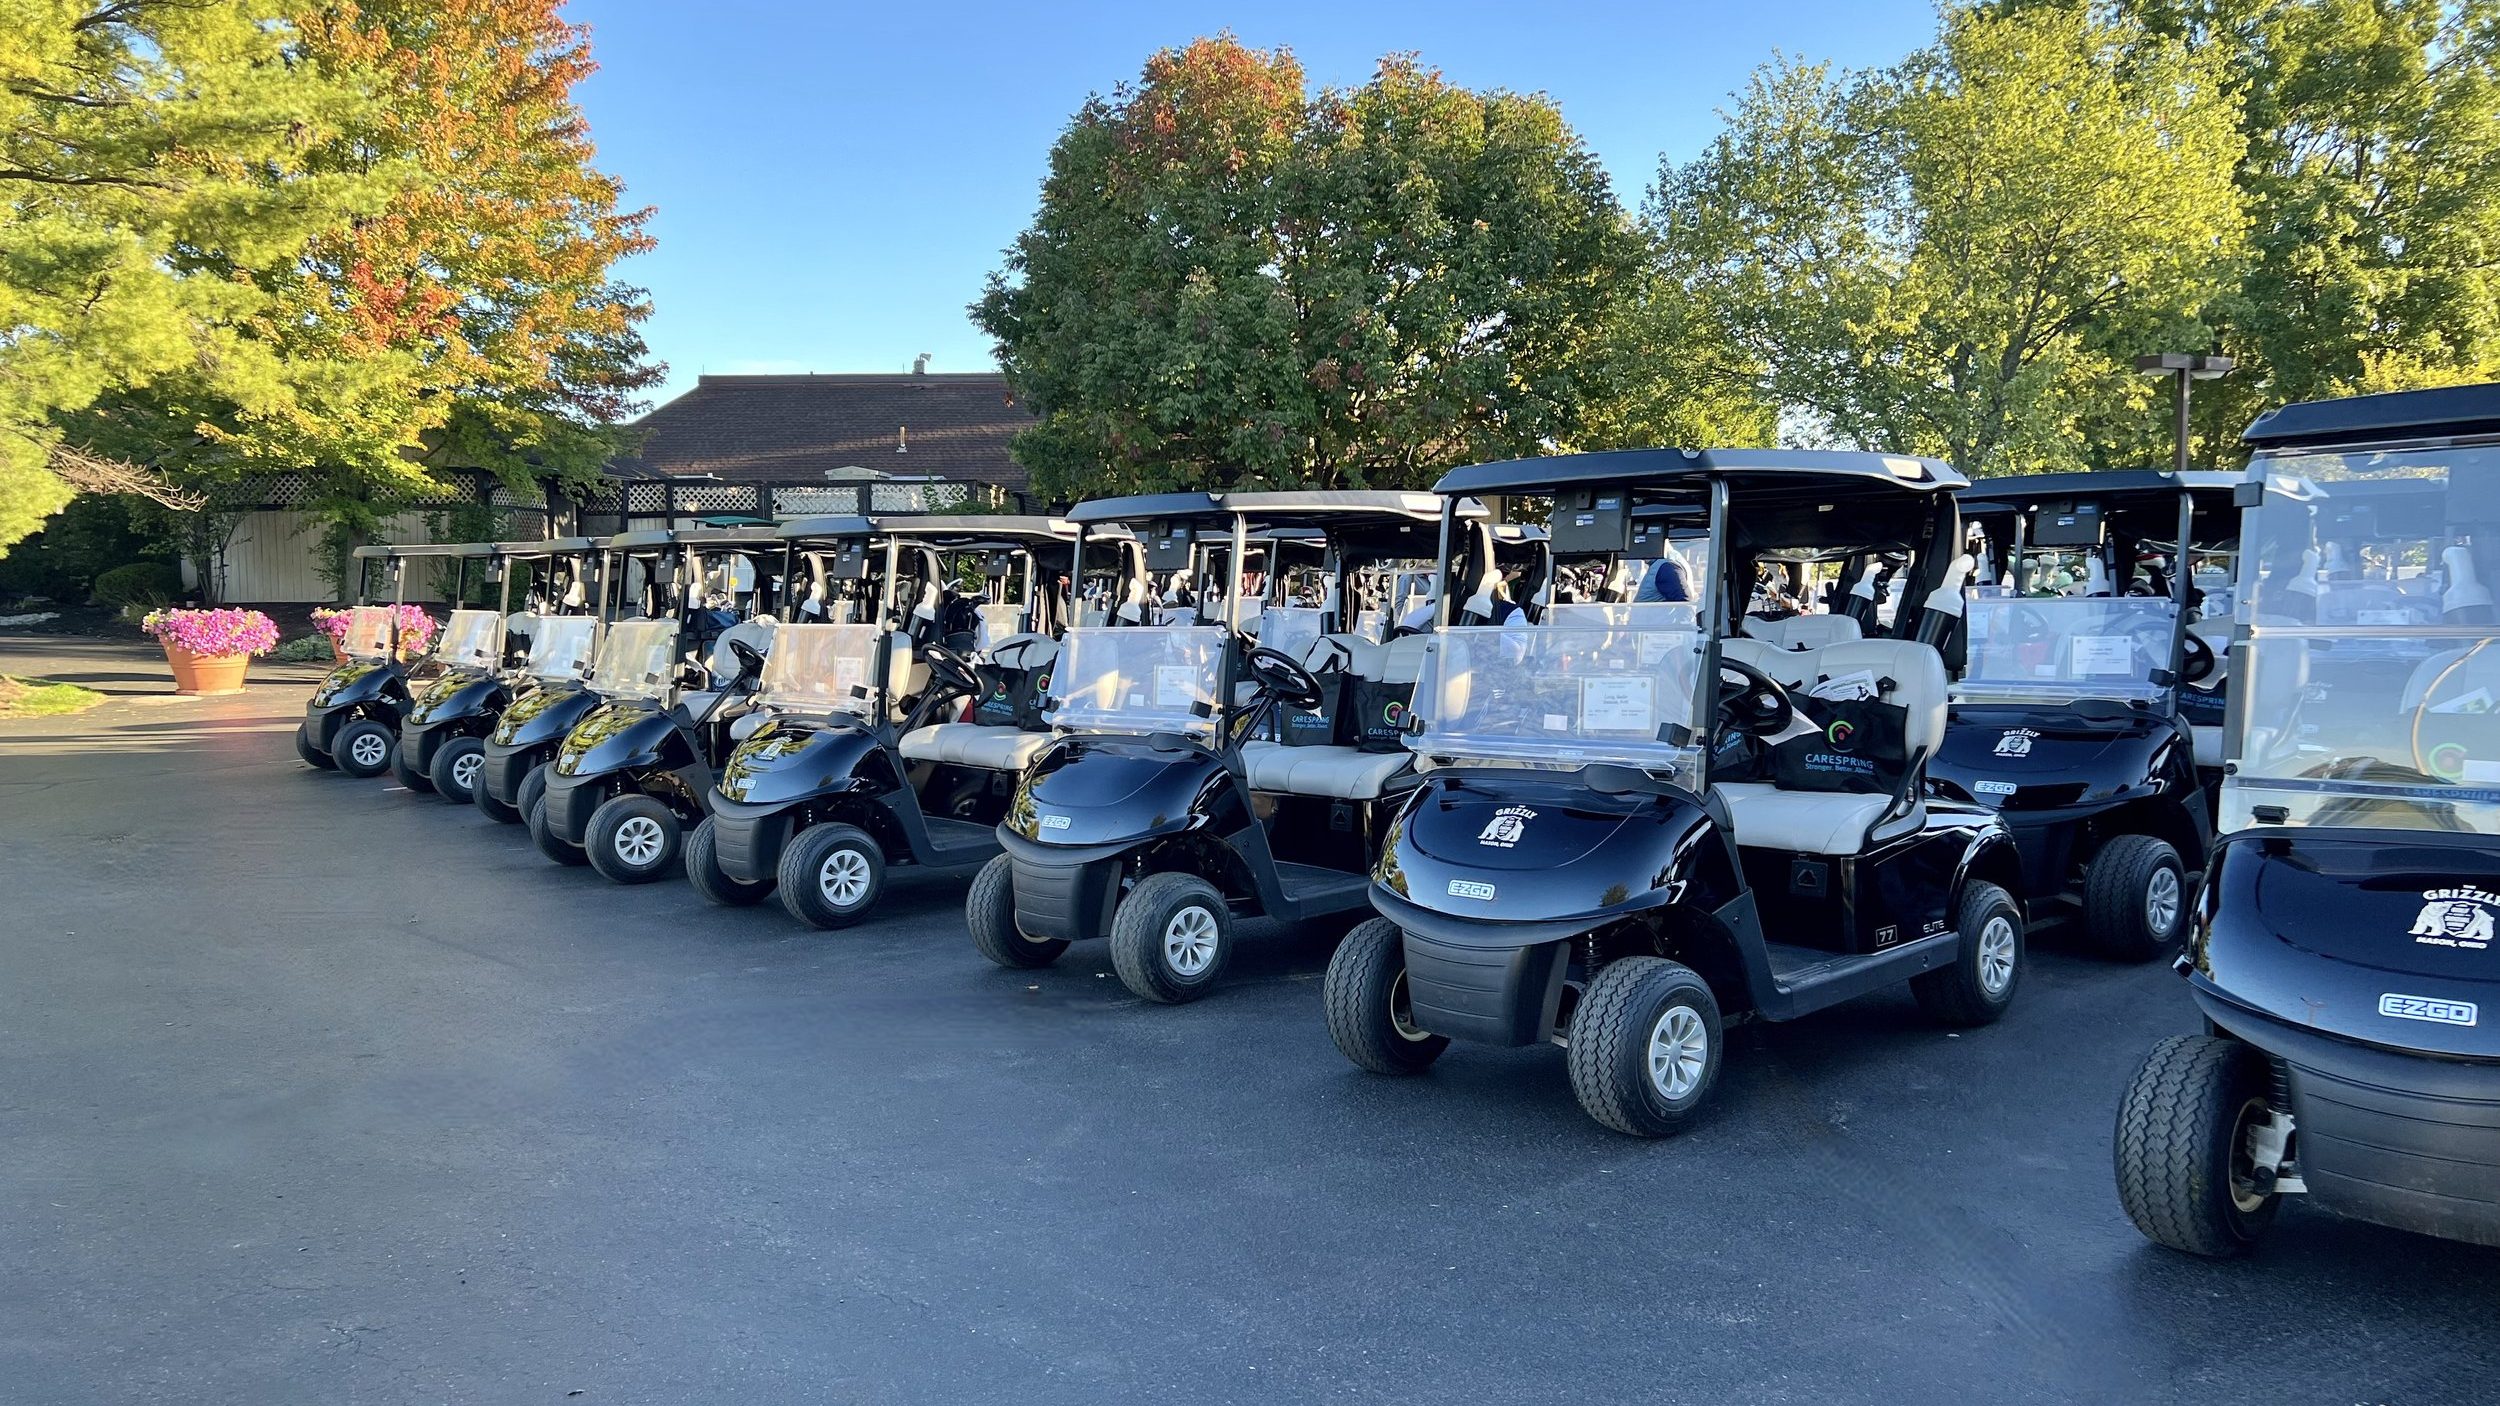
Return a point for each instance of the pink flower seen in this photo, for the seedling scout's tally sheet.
(416, 628)
(213, 632)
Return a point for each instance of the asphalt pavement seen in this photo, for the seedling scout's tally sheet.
(315, 1090)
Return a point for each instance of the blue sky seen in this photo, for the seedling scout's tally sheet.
(834, 180)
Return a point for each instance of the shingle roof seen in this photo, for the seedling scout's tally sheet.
(794, 428)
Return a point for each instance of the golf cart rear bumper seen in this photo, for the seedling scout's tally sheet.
(570, 800)
(747, 840)
(1063, 892)
(2403, 1140)
(1491, 983)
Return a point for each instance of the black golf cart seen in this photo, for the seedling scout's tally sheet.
(637, 770)
(2342, 951)
(1635, 825)
(867, 754)
(1165, 812)
(352, 721)
(2070, 717)
(492, 655)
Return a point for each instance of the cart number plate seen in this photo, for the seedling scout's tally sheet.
(1470, 888)
(1054, 822)
(1994, 788)
(2426, 1008)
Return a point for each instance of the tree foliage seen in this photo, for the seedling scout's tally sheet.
(1958, 255)
(1231, 281)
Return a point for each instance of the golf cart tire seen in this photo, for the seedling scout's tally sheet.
(2115, 917)
(445, 771)
(406, 772)
(309, 754)
(802, 870)
(1956, 994)
(497, 811)
(1609, 1045)
(603, 839)
(534, 811)
(2174, 1145)
(343, 748)
(990, 914)
(1359, 994)
(1143, 920)
(703, 871)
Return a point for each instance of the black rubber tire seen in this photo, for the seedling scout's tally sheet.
(990, 914)
(2115, 894)
(444, 773)
(343, 748)
(406, 773)
(309, 754)
(600, 839)
(802, 870)
(1137, 930)
(704, 873)
(1365, 985)
(484, 798)
(2179, 1128)
(534, 815)
(1958, 995)
(1609, 1045)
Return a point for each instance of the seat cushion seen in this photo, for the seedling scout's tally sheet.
(1803, 631)
(970, 744)
(1342, 773)
(1808, 822)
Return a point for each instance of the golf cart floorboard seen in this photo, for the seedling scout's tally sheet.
(1314, 890)
(1810, 979)
(950, 838)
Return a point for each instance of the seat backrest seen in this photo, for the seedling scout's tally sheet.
(1793, 667)
(905, 675)
(723, 664)
(1402, 660)
(1918, 681)
(1351, 654)
(1804, 631)
(1024, 651)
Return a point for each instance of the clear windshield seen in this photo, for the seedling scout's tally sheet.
(636, 659)
(1633, 615)
(368, 631)
(1561, 696)
(2372, 685)
(560, 645)
(1138, 681)
(469, 638)
(1290, 628)
(2058, 649)
(994, 623)
(823, 668)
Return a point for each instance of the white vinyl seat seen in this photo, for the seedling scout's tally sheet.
(1808, 822)
(1338, 773)
(1838, 822)
(1803, 631)
(2216, 633)
(973, 745)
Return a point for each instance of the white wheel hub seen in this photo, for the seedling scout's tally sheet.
(1402, 1012)
(1996, 955)
(464, 771)
(2161, 901)
(639, 840)
(1679, 1050)
(843, 878)
(1189, 941)
(369, 750)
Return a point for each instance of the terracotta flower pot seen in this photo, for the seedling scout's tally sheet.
(198, 674)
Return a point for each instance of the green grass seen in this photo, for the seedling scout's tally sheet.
(41, 698)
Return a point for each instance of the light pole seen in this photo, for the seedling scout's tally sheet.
(2183, 368)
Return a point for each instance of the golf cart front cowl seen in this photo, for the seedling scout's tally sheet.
(614, 737)
(356, 681)
(1126, 792)
(453, 696)
(1496, 850)
(2055, 759)
(543, 716)
(2369, 936)
(788, 761)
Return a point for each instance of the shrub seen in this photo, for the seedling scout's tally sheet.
(304, 649)
(214, 632)
(138, 583)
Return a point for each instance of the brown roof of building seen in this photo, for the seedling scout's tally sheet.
(794, 428)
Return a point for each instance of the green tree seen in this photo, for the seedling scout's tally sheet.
(1958, 254)
(1232, 282)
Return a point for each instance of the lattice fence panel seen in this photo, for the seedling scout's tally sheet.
(814, 502)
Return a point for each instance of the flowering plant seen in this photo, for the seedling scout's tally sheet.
(416, 628)
(213, 632)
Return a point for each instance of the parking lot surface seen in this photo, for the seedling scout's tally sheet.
(316, 1090)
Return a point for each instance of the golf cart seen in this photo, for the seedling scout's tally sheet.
(637, 770)
(859, 759)
(352, 721)
(2342, 951)
(2069, 717)
(1163, 812)
(493, 654)
(1604, 854)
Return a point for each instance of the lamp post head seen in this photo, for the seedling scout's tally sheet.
(2203, 368)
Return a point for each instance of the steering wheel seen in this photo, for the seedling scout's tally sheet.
(2199, 662)
(1756, 703)
(750, 659)
(1282, 678)
(950, 668)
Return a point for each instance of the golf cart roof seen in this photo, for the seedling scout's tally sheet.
(979, 529)
(832, 525)
(548, 547)
(1271, 510)
(650, 538)
(2110, 486)
(1839, 470)
(428, 549)
(2447, 411)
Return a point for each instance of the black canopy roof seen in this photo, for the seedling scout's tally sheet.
(651, 538)
(2445, 411)
(978, 529)
(427, 549)
(832, 525)
(1322, 508)
(1665, 468)
(548, 547)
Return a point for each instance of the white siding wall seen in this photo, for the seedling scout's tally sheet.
(273, 557)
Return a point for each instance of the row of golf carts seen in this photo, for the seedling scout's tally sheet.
(1734, 735)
